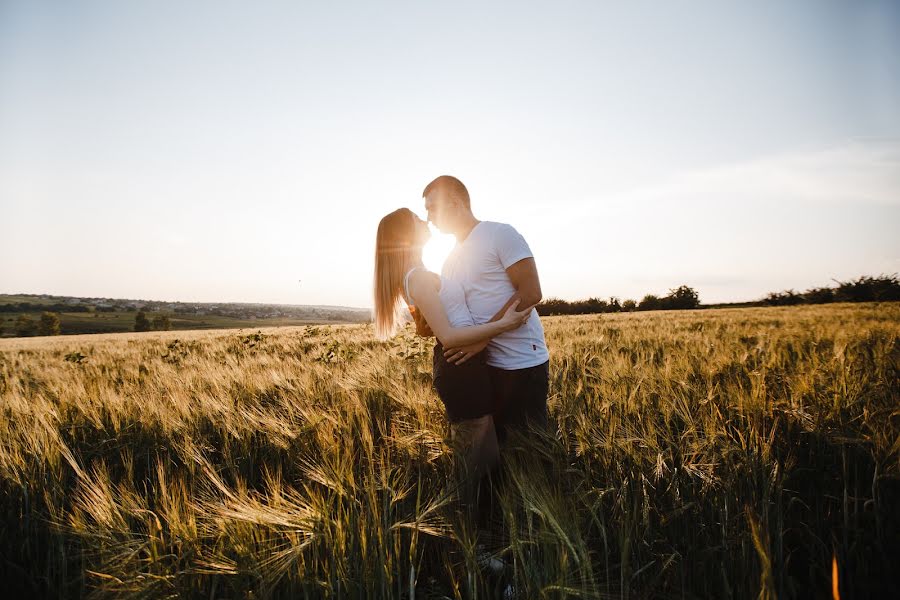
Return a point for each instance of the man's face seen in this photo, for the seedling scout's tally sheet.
(440, 209)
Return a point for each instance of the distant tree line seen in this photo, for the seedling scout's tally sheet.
(48, 324)
(682, 297)
(231, 310)
(33, 307)
(159, 323)
(883, 288)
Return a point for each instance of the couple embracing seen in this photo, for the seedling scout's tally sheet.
(490, 365)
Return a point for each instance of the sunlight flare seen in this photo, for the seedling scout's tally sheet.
(437, 249)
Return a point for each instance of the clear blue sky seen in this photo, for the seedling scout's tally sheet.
(235, 151)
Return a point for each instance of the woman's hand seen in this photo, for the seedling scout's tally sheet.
(512, 318)
(458, 356)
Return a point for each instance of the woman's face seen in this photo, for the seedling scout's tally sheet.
(422, 233)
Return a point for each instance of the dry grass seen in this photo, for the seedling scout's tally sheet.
(727, 453)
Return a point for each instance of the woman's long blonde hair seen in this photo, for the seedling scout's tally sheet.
(395, 253)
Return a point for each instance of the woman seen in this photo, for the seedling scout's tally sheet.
(465, 389)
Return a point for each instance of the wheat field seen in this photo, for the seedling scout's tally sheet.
(743, 453)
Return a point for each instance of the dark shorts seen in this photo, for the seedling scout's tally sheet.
(464, 389)
(519, 398)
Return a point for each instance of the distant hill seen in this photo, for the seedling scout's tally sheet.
(110, 315)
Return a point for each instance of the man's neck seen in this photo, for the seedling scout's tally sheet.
(465, 229)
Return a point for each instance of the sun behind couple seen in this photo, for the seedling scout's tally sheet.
(490, 363)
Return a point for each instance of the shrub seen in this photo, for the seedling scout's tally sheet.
(650, 302)
(821, 295)
(25, 326)
(161, 323)
(141, 323)
(682, 297)
(869, 289)
(49, 324)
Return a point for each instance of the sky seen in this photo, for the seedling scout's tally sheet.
(245, 152)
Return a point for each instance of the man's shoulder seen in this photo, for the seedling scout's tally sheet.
(496, 225)
(493, 229)
(504, 235)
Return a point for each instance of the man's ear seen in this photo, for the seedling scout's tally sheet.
(457, 204)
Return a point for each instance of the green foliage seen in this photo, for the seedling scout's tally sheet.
(161, 323)
(884, 288)
(412, 347)
(75, 357)
(650, 302)
(141, 323)
(250, 340)
(25, 326)
(869, 289)
(8, 307)
(682, 298)
(785, 298)
(336, 352)
(555, 306)
(49, 324)
(176, 352)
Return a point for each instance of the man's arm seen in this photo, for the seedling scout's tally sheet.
(524, 277)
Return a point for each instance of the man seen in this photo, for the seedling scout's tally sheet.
(496, 268)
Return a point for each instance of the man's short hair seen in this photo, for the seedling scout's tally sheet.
(453, 186)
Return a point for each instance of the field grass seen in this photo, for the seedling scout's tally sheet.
(734, 453)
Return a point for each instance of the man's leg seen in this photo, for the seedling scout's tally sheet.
(520, 398)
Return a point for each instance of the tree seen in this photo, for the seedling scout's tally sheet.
(629, 305)
(25, 326)
(141, 323)
(551, 306)
(649, 302)
(49, 324)
(161, 323)
(682, 297)
(785, 298)
(820, 295)
(869, 289)
(591, 306)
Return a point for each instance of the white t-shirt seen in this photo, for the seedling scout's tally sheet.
(479, 263)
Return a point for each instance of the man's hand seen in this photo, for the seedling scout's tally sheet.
(458, 356)
(422, 328)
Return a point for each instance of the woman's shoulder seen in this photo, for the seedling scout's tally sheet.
(420, 279)
(423, 276)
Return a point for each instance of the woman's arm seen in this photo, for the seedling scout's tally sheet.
(423, 291)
